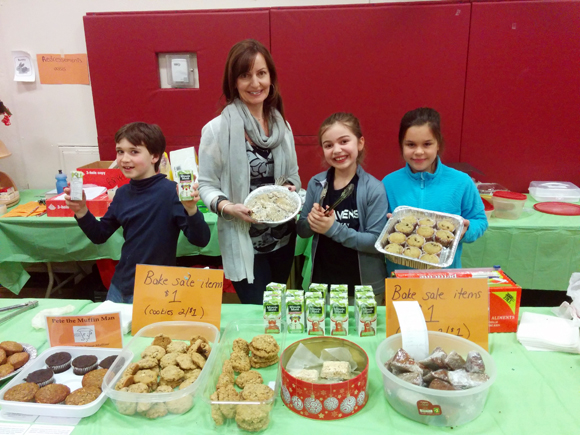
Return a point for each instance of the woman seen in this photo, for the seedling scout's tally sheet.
(248, 146)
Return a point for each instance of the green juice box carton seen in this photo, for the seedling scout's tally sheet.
(185, 179)
(315, 316)
(295, 311)
(361, 294)
(367, 317)
(323, 288)
(276, 287)
(272, 313)
(338, 315)
(76, 185)
(341, 289)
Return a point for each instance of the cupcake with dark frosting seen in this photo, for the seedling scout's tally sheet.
(41, 377)
(84, 364)
(59, 362)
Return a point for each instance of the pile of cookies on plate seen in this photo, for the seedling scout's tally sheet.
(165, 365)
(12, 357)
(260, 352)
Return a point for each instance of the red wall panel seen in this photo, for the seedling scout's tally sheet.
(377, 62)
(522, 102)
(122, 50)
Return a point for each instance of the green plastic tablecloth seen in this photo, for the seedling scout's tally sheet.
(535, 393)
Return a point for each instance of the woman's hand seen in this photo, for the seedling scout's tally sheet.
(79, 208)
(238, 211)
(318, 221)
(191, 205)
(290, 187)
(465, 227)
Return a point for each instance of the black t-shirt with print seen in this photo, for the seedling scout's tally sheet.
(333, 262)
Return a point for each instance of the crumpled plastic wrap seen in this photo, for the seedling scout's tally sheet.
(571, 311)
(39, 321)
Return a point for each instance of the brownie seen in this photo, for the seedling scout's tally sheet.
(108, 362)
(59, 362)
(84, 364)
(41, 377)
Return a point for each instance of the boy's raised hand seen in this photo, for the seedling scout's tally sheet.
(318, 221)
(79, 208)
(191, 205)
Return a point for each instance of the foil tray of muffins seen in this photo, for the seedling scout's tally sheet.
(245, 381)
(63, 380)
(161, 370)
(420, 239)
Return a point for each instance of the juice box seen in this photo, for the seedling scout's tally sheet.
(367, 317)
(338, 315)
(272, 313)
(76, 185)
(338, 289)
(185, 179)
(315, 316)
(295, 311)
(323, 288)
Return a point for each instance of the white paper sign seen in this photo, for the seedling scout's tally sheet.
(23, 67)
(413, 329)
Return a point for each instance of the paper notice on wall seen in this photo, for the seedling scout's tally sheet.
(23, 67)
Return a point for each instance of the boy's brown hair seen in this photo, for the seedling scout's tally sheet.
(148, 135)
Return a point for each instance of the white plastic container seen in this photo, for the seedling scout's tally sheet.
(564, 191)
(178, 400)
(455, 407)
(508, 205)
(67, 378)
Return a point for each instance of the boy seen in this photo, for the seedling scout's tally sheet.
(147, 208)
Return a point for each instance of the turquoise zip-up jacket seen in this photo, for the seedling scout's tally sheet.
(445, 191)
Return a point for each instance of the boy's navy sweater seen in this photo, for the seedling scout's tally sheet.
(152, 216)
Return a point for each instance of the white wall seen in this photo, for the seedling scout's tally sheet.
(46, 116)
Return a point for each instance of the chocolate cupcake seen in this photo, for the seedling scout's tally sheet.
(108, 362)
(430, 258)
(59, 362)
(398, 238)
(412, 252)
(84, 364)
(394, 248)
(427, 232)
(41, 377)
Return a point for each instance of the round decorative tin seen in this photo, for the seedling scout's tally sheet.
(329, 401)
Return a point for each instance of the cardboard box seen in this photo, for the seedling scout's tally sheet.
(56, 206)
(504, 294)
(99, 173)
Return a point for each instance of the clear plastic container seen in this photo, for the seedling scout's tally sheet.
(177, 402)
(563, 191)
(508, 205)
(246, 329)
(454, 407)
(486, 189)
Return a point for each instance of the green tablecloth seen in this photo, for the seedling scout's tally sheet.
(535, 393)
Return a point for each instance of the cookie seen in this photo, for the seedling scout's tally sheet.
(204, 350)
(260, 363)
(257, 393)
(197, 359)
(164, 389)
(240, 361)
(216, 413)
(124, 382)
(170, 384)
(169, 359)
(198, 337)
(22, 392)
(59, 362)
(82, 396)
(53, 394)
(228, 394)
(249, 377)
(177, 347)
(132, 369)
(94, 378)
(181, 405)
(84, 364)
(186, 383)
(228, 369)
(147, 377)
(108, 362)
(224, 380)
(2, 356)
(252, 418)
(171, 373)
(139, 388)
(11, 347)
(187, 374)
(161, 341)
(152, 351)
(41, 377)
(195, 347)
(147, 363)
(185, 362)
(18, 359)
(156, 410)
(264, 346)
(241, 345)
(6, 369)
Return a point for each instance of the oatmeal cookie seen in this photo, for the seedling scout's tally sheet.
(22, 392)
(157, 410)
(260, 363)
(197, 359)
(177, 347)
(241, 345)
(164, 389)
(126, 408)
(204, 350)
(252, 418)
(198, 337)
(171, 374)
(124, 382)
(132, 369)
(228, 369)
(161, 341)
(187, 383)
(2, 356)
(156, 352)
(170, 384)
(257, 393)
(195, 347)
(6, 369)
(216, 413)
(228, 394)
(94, 378)
(147, 377)
(185, 362)
(139, 388)
(169, 359)
(224, 380)
(11, 347)
(53, 393)
(249, 377)
(187, 374)
(240, 361)
(18, 359)
(181, 405)
(82, 396)
(148, 363)
(264, 346)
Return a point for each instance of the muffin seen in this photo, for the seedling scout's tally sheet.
(446, 225)
(444, 237)
(430, 258)
(427, 232)
(409, 219)
(41, 377)
(432, 248)
(397, 238)
(84, 364)
(412, 252)
(415, 240)
(394, 248)
(108, 362)
(405, 227)
(427, 222)
(59, 362)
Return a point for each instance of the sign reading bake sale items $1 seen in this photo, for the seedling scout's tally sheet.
(97, 330)
(165, 293)
(458, 306)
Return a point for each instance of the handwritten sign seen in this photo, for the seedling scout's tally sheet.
(69, 69)
(97, 330)
(164, 293)
(455, 306)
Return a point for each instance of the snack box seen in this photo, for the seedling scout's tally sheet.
(67, 378)
(563, 191)
(246, 329)
(99, 173)
(56, 206)
(447, 254)
(327, 401)
(504, 294)
(435, 407)
(177, 402)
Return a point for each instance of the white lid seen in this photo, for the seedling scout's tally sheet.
(552, 186)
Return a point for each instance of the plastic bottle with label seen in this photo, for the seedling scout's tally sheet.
(61, 182)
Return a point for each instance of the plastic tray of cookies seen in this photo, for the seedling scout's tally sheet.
(447, 249)
(124, 384)
(67, 378)
(254, 411)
